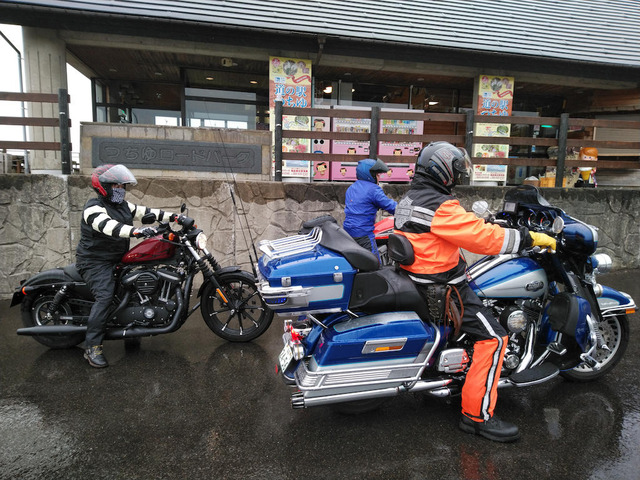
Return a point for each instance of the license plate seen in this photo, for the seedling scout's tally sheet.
(286, 355)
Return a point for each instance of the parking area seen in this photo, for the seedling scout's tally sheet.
(190, 405)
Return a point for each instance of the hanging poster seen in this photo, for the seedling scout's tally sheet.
(290, 81)
(495, 98)
(495, 95)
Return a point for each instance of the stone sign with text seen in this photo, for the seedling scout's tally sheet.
(177, 155)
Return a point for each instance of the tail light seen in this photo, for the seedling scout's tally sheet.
(298, 331)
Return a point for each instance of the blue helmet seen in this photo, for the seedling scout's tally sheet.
(368, 169)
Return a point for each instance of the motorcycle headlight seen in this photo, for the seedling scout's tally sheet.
(201, 241)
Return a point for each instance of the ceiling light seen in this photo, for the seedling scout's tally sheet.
(328, 89)
(209, 78)
(158, 74)
(253, 82)
(433, 103)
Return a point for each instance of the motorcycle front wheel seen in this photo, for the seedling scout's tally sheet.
(35, 313)
(615, 333)
(244, 316)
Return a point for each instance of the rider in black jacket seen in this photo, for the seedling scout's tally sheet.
(106, 228)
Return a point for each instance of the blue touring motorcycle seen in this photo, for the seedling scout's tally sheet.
(356, 333)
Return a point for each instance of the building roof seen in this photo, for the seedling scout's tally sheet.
(602, 31)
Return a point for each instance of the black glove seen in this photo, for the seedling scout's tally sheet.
(144, 232)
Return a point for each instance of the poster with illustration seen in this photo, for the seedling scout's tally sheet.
(490, 173)
(495, 98)
(290, 81)
(495, 95)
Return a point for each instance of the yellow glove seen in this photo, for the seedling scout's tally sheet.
(542, 240)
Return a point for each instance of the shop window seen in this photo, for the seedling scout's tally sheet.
(221, 109)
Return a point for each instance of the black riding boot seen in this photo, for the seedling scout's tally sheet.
(493, 429)
(95, 357)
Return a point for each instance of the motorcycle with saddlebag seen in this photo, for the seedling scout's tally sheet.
(356, 333)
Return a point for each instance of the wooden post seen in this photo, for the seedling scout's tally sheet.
(278, 141)
(468, 139)
(374, 130)
(65, 141)
(562, 148)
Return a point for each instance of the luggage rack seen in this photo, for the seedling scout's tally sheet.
(293, 245)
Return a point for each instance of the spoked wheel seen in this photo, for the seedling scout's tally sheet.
(35, 312)
(615, 333)
(244, 316)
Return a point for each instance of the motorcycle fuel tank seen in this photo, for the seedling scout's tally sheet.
(150, 250)
(507, 276)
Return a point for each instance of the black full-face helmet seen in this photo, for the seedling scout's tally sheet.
(105, 176)
(445, 163)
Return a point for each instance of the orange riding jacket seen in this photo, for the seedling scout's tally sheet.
(438, 227)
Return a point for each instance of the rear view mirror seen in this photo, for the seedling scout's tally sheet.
(480, 207)
(148, 218)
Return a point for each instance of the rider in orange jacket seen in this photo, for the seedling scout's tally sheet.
(438, 227)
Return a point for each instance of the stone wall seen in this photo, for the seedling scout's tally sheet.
(40, 215)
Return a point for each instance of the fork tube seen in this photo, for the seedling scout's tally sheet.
(206, 271)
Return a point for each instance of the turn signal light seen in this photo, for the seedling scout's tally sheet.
(171, 237)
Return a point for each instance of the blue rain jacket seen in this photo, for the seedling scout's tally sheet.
(363, 200)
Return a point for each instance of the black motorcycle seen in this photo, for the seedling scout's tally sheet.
(155, 281)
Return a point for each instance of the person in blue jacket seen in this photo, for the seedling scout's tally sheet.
(363, 200)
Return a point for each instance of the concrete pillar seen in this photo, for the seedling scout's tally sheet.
(46, 72)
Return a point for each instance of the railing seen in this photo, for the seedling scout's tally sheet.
(62, 122)
(458, 129)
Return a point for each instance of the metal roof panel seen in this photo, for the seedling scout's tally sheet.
(603, 31)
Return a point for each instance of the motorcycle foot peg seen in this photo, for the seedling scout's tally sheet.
(557, 348)
(590, 361)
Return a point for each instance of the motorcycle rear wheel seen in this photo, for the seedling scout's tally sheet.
(245, 317)
(615, 333)
(34, 310)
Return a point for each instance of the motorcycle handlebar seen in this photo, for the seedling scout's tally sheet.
(186, 222)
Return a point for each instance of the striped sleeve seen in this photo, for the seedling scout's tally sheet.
(140, 211)
(99, 220)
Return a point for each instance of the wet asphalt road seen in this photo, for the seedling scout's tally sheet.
(189, 405)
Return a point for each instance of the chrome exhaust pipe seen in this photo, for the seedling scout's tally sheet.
(298, 399)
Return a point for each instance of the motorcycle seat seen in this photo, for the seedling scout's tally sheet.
(335, 238)
(387, 290)
(72, 272)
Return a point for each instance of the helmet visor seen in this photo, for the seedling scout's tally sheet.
(118, 174)
(462, 167)
(463, 164)
(378, 167)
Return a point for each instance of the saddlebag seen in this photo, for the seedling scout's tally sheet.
(385, 348)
